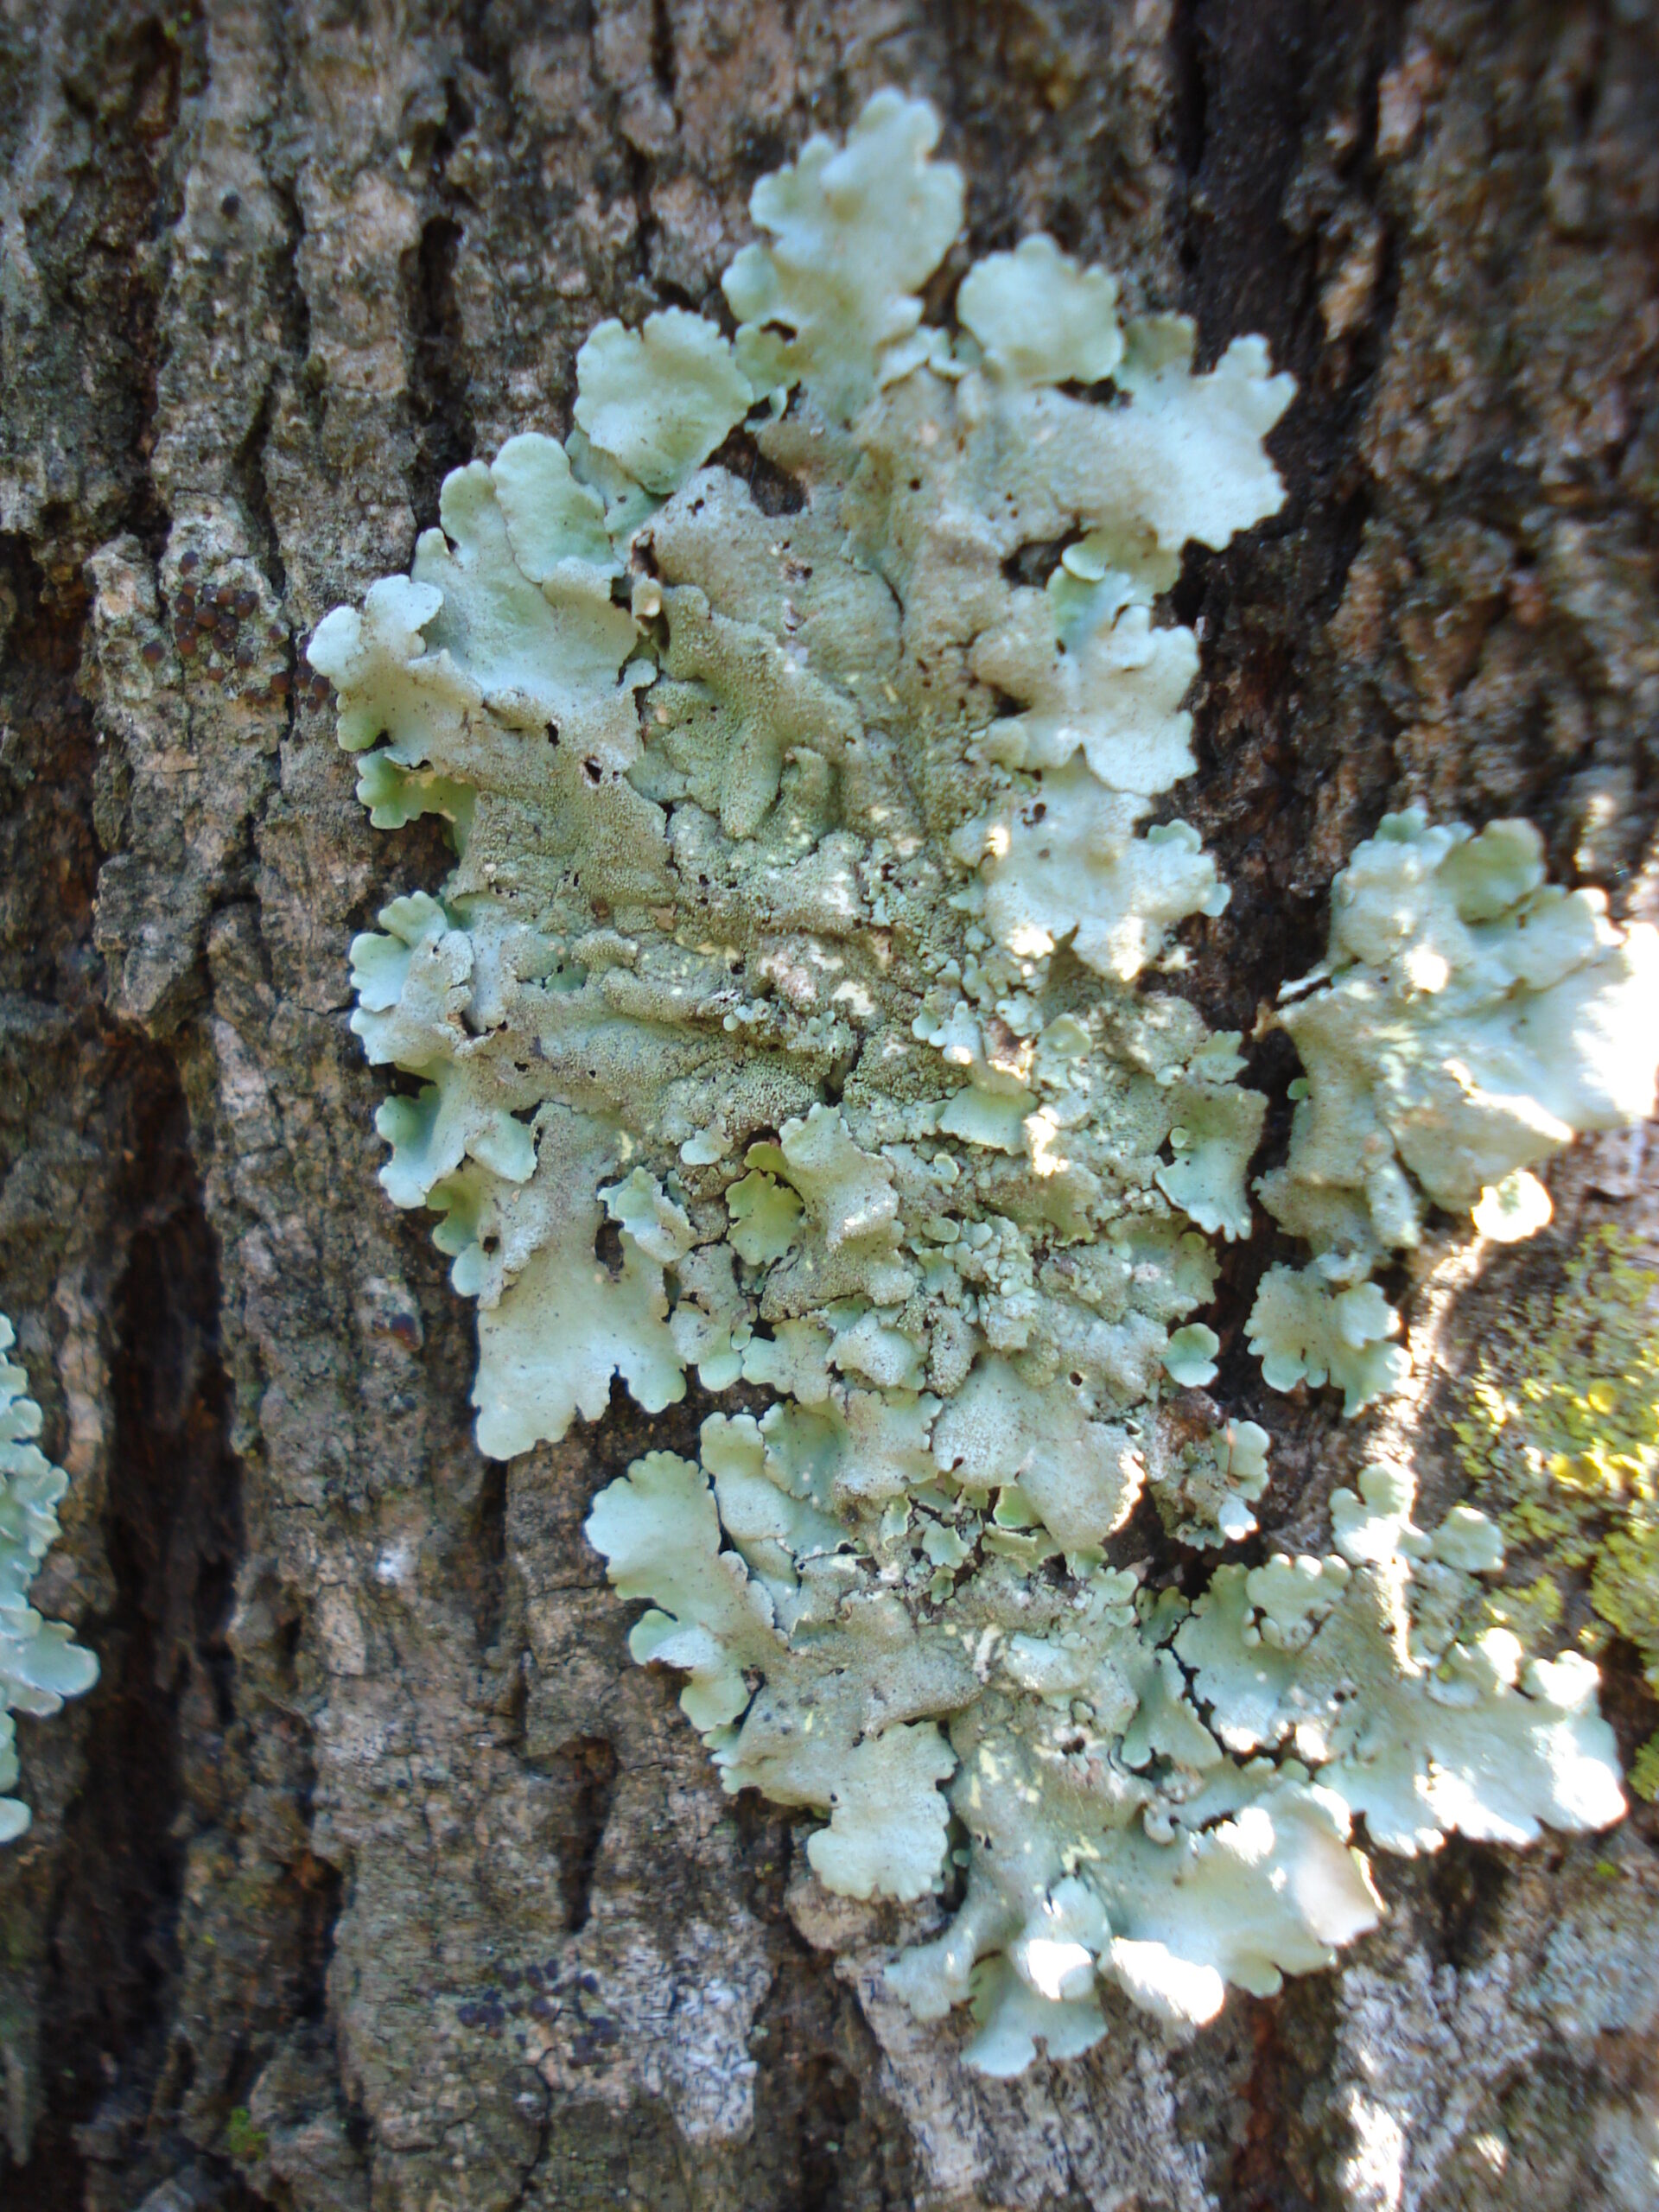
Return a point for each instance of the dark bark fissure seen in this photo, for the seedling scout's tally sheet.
(438, 386)
(586, 1769)
(158, 1719)
(491, 1545)
(1187, 42)
(773, 490)
(47, 751)
(1261, 605)
(826, 2139)
(256, 499)
(1262, 2177)
(1469, 1884)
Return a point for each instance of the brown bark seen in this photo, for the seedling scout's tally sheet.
(369, 1780)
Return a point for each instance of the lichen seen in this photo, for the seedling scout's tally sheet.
(1452, 1728)
(1204, 1487)
(1469, 1019)
(39, 1663)
(1560, 1438)
(793, 1015)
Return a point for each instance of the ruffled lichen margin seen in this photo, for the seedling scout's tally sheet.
(792, 1015)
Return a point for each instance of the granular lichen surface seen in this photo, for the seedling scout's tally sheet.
(1560, 1438)
(798, 1013)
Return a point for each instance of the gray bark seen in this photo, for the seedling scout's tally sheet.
(373, 1875)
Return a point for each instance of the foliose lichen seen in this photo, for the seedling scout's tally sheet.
(39, 1663)
(1560, 1438)
(1470, 1018)
(792, 1015)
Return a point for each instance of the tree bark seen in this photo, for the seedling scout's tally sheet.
(369, 1785)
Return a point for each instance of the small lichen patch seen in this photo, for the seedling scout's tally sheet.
(795, 1015)
(1469, 1019)
(39, 1663)
(1373, 1665)
(1205, 1489)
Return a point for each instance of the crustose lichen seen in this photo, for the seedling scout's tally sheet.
(806, 928)
(1560, 1438)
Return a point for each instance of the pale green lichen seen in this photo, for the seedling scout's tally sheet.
(1317, 1324)
(657, 402)
(1560, 1437)
(1469, 1019)
(831, 298)
(803, 939)
(1204, 1490)
(39, 1663)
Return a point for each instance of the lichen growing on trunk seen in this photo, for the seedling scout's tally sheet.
(806, 940)
(39, 1663)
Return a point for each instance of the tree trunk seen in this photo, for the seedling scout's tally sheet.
(368, 1755)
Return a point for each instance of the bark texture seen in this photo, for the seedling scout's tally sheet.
(373, 1878)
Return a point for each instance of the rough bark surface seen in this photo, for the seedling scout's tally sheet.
(373, 1878)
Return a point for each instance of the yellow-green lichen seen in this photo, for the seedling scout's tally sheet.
(1560, 1439)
